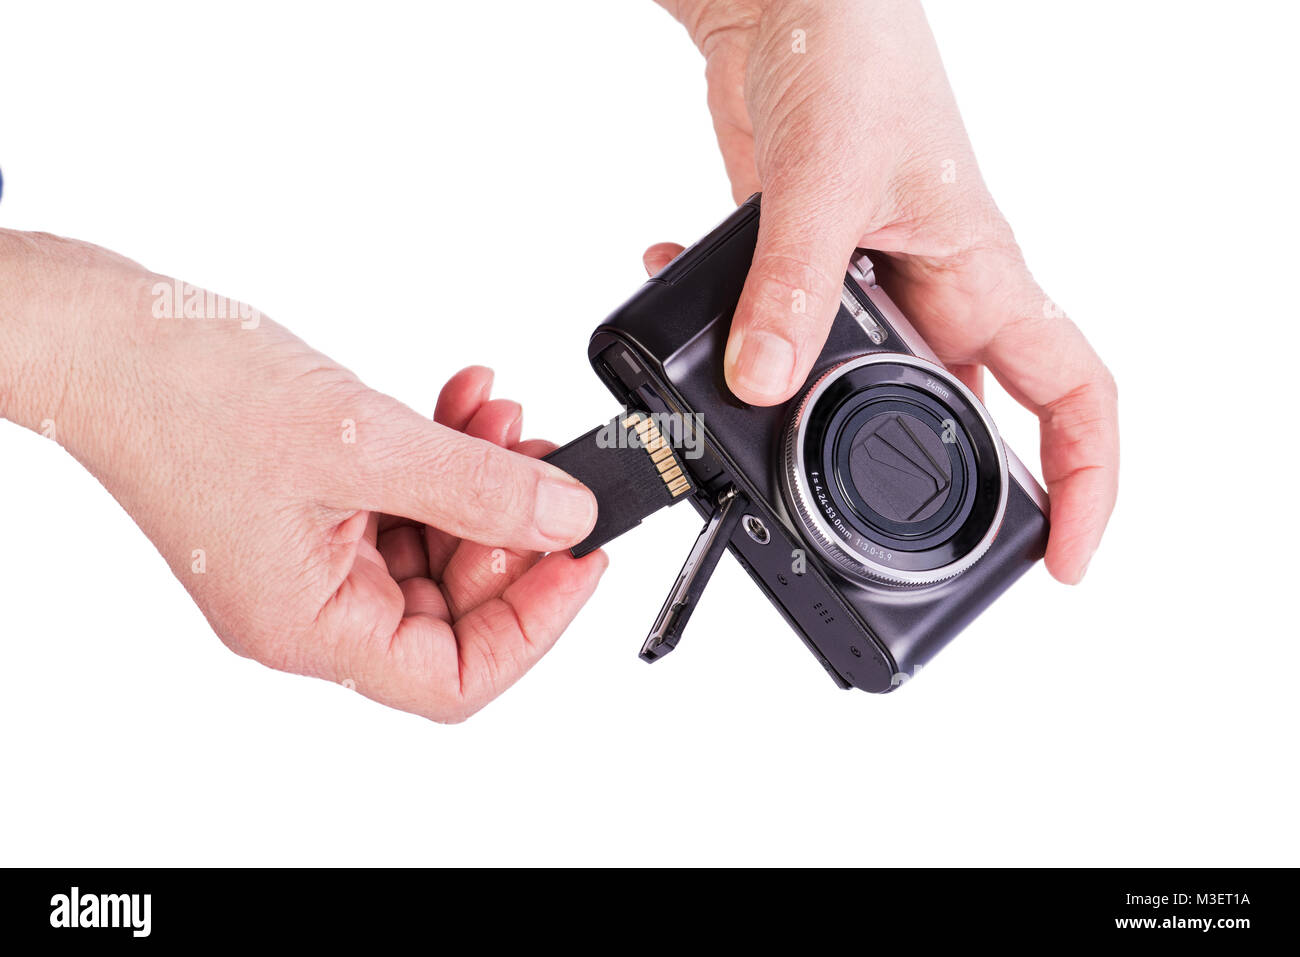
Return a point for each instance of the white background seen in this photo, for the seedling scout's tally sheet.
(417, 187)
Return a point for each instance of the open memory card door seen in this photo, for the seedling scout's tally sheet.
(632, 468)
(695, 574)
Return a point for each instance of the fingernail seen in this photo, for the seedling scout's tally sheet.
(565, 511)
(764, 364)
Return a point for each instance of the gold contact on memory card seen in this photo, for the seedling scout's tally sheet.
(660, 452)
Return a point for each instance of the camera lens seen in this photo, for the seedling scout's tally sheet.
(899, 467)
(894, 470)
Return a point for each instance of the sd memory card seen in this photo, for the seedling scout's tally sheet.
(631, 468)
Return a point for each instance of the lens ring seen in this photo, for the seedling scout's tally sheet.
(867, 544)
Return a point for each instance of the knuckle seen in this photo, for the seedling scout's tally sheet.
(789, 288)
(438, 458)
(489, 661)
(495, 490)
(485, 670)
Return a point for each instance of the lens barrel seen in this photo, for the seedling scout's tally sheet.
(895, 470)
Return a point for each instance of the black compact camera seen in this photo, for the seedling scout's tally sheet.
(878, 509)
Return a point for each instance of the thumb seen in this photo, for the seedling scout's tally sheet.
(403, 464)
(792, 292)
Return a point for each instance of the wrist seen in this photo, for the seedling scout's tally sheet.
(66, 323)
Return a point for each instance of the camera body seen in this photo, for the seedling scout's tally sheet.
(882, 511)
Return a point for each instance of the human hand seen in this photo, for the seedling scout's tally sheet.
(323, 528)
(841, 114)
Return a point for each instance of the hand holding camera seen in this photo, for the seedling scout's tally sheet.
(878, 509)
(841, 114)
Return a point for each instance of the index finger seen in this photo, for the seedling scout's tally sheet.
(1044, 361)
